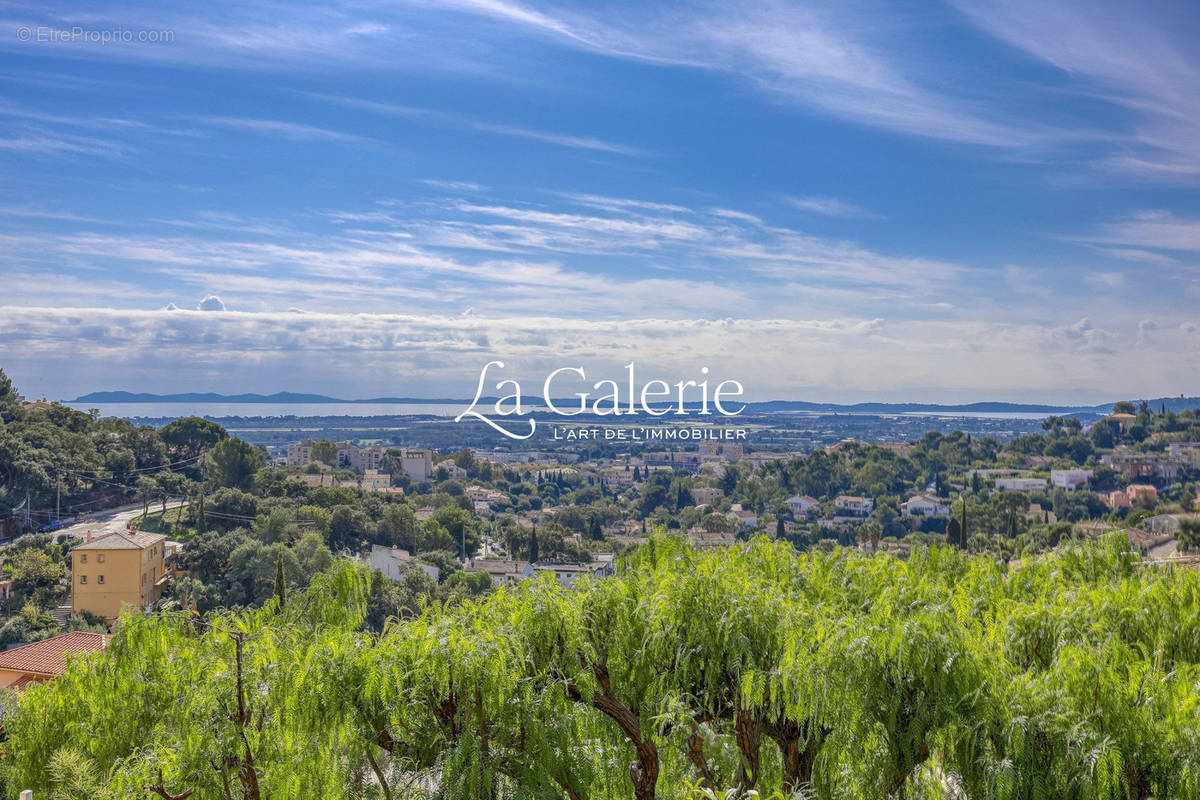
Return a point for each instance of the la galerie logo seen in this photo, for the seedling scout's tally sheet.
(654, 398)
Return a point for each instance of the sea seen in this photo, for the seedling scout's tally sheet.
(134, 411)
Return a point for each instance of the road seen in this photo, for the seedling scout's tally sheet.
(112, 520)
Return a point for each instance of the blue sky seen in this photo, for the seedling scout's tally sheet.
(837, 200)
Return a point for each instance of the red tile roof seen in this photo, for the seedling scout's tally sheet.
(49, 657)
(25, 680)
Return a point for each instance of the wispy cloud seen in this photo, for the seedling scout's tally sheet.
(1143, 234)
(496, 256)
(462, 121)
(43, 142)
(830, 207)
(453, 186)
(295, 131)
(811, 54)
(1132, 55)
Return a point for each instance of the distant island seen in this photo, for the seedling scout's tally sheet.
(213, 397)
(1158, 404)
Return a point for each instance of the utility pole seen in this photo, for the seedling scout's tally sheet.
(57, 496)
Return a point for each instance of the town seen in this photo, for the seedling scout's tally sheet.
(212, 522)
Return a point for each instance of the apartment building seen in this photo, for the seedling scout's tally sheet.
(417, 464)
(118, 571)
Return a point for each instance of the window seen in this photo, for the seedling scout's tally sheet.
(99, 579)
(100, 558)
(83, 558)
(83, 579)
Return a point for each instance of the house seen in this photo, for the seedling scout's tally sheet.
(1069, 479)
(925, 505)
(314, 480)
(1117, 499)
(1162, 523)
(727, 452)
(1020, 484)
(747, 518)
(47, 659)
(756, 460)
(802, 504)
(373, 480)
(1125, 421)
(859, 506)
(568, 573)
(1036, 513)
(394, 561)
(481, 494)
(1142, 492)
(453, 471)
(705, 495)
(118, 571)
(702, 538)
(502, 571)
(617, 477)
(1133, 493)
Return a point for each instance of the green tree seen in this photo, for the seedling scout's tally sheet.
(326, 452)
(10, 403)
(232, 463)
(190, 436)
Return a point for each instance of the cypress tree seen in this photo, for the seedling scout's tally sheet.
(280, 585)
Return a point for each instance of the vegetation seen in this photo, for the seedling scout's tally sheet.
(688, 674)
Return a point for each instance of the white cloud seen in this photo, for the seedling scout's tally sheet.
(829, 206)
(1105, 281)
(371, 354)
(210, 303)
(454, 186)
(1124, 52)
(283, 129)
(1145, 328)
(456, 120)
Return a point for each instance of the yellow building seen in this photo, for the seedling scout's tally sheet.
(118, 570)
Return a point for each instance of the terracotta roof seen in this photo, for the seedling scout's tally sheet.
(122, 541)
(49, 657)
(20, 683)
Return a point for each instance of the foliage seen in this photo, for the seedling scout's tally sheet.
(689, 674)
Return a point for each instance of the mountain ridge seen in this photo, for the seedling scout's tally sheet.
(986, 406)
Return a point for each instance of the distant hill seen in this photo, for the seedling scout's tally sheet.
(213, 397)
(203, 397)
(1168, 403)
